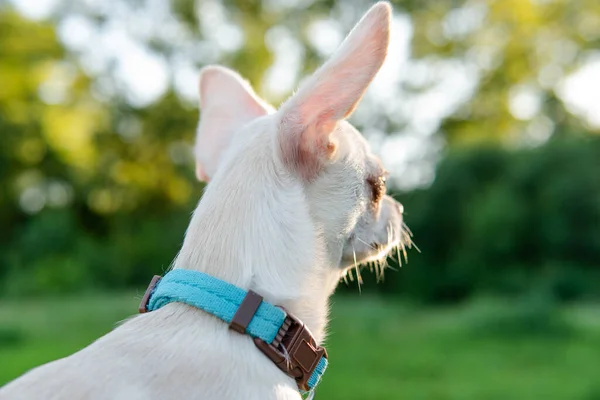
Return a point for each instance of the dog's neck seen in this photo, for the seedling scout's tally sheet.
(254, 230)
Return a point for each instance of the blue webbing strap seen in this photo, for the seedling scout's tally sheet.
(216, 297)
(222, 300)
(315, 378)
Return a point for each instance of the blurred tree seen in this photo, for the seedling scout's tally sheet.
(507, 222)
(30, 53)
(521, 52)
(98, 111)
(515, 53)
(73, 166)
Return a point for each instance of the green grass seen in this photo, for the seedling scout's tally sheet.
(378, 349)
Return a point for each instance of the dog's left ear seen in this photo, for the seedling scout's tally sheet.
(227, 102)
(310, 116)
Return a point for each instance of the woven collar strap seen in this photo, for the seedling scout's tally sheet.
(284, 339)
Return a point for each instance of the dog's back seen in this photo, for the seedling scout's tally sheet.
(145, 356)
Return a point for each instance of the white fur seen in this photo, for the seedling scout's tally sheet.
(227, 102)
(260, 224)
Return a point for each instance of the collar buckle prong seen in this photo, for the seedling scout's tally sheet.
(294, 351)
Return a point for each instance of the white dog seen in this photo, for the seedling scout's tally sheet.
(295, 198)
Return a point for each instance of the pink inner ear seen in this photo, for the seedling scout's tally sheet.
(309, 147)
(310, 116)
(201, 174)
(228, 103)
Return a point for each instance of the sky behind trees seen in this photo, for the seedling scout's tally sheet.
(457, 72)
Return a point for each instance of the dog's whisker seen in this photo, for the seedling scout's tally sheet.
(390, 252)
(415, 246)
(405, 254)
(345, 278)
(365, 243)
(359, 279)
(358, 276)
(407, 229)
(392, 268)
(411, 245)
(407, 237)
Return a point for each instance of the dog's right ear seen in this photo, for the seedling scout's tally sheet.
(227, 102)
(309, 117)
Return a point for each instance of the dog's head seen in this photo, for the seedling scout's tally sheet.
(310, 144)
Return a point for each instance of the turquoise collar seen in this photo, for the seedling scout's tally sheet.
(280, 336)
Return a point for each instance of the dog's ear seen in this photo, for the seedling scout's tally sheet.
(310, 116)
(227, 102)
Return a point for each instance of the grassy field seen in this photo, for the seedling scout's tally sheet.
(378, 349)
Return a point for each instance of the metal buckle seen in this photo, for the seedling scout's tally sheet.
(294, 351)
(143, 308)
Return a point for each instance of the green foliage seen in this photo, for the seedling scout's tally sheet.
(495, 221)
(514, 44)
(96, 192)
(55, 253)
(507, 222)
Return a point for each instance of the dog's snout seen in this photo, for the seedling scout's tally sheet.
(393, 204)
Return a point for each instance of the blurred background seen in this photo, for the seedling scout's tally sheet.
(487, 114)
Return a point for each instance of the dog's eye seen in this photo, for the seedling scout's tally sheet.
(377, 185)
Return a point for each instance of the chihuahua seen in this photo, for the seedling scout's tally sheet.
(294, 198)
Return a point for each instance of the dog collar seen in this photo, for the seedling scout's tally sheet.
(283, 338)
